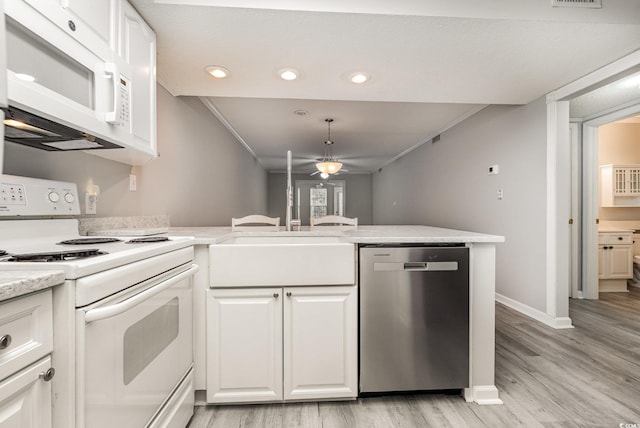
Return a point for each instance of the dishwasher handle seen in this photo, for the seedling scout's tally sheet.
(415, 266)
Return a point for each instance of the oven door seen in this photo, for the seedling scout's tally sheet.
(133, 351)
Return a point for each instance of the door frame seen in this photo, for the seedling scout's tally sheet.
(590, 199)
(558, 258)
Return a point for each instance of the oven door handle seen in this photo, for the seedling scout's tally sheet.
(113, 310)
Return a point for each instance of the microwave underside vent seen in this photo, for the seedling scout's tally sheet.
(32, 130)
(597, 4)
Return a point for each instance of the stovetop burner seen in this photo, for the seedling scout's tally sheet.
(55, 256)
(90, 241)
(147, 239)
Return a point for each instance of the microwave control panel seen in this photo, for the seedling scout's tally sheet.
(124, 118)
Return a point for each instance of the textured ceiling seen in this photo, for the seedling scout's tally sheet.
(431, 61)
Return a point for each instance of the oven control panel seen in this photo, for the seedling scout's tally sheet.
(25, 196)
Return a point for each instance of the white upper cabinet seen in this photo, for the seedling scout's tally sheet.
(620, 185)
(3, 71)
(138, 49)
(92, 23)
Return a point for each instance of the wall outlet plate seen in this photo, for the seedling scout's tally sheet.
(90, 203)
(132, 183)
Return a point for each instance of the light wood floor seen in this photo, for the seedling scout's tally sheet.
(588, 376)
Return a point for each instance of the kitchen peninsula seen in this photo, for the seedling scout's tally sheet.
(481, 388)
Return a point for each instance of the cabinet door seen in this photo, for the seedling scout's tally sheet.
(244, 345)
(620, 259)
(138, 49)
(603, 263)
(25, 399)
(320, 342)
(92, 23)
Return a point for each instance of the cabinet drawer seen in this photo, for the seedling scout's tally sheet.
(26, 334)
(615, 238)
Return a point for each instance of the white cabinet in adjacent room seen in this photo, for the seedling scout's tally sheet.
(620, 185)
(292, 343)
(615, 260)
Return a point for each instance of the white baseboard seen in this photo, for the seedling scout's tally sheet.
(484, 395)
(557, 323)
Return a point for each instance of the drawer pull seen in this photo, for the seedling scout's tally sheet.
(276, 295)
(48, 375)
(5, 341)
(288, 293)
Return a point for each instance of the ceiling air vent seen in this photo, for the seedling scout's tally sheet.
(597, 4)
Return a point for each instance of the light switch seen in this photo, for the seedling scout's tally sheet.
(132, 182)
(494, 169)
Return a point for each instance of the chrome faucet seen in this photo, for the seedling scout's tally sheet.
(289, 193)
(289, 221)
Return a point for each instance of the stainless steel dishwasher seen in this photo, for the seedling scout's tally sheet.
(414, 318)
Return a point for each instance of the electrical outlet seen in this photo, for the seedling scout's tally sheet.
(132, 183)
(500, 194)
(90, 203)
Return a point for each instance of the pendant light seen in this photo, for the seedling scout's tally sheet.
(328, 165)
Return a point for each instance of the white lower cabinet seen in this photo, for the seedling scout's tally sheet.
(273, 344)
(26, 342)
(25, 398)
(244, 345)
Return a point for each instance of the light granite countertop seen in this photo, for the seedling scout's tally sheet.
(359, 235)
(17, 283)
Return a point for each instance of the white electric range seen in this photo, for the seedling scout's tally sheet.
(123, 347)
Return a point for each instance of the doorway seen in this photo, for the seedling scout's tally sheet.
(316, 198)
(590, 196)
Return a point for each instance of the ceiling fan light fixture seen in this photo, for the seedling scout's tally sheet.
(217, 71)
(328, 165)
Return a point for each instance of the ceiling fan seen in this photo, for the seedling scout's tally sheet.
(328, 165)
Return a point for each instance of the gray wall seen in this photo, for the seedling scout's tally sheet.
(203, 177)
(446, 184)
(357, 189)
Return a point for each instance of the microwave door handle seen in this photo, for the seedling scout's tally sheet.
(112, 116)
(104, 312)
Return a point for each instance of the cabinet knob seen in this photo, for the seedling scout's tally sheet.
(5, 341)
(288, 293)
(620, 238)
(48, 375)
(276, 295)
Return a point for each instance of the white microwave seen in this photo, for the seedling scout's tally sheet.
(50, 75)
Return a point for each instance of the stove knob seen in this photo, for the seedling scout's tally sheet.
(54, 196)
(68, 197)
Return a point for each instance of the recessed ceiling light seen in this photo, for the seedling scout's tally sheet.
(288, 74)
(631, 81)
(217, 71)
(25, 77)
(359, 77)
